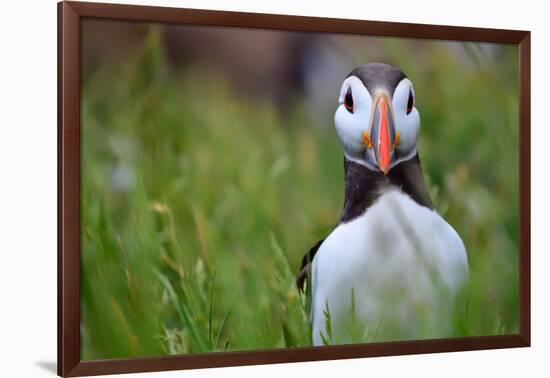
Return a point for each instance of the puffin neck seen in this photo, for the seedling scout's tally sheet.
(364, 186)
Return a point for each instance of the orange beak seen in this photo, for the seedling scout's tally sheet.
(382, 136)
(384, 146)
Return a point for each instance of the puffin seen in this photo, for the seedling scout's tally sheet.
(393, 268)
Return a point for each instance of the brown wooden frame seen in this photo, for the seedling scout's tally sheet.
(69, 22)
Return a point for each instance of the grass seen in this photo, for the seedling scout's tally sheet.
(197, 205)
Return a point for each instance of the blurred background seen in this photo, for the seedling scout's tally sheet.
(210, 166)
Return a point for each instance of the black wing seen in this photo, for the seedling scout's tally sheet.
(306, 265)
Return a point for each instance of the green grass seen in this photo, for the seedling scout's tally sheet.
(197, 205)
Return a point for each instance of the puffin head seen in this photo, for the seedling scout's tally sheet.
(376, 119)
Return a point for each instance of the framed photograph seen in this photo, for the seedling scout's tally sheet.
(239, 188)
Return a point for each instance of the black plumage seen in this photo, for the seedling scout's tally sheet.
(364, 186)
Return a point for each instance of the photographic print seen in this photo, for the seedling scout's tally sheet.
(239, 188)
(254, 189)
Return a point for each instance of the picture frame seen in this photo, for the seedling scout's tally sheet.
(70, 15)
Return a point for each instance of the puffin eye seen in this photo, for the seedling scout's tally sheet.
(410, 103)
(348, 101)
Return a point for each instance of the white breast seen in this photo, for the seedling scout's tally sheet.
(400, 262)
